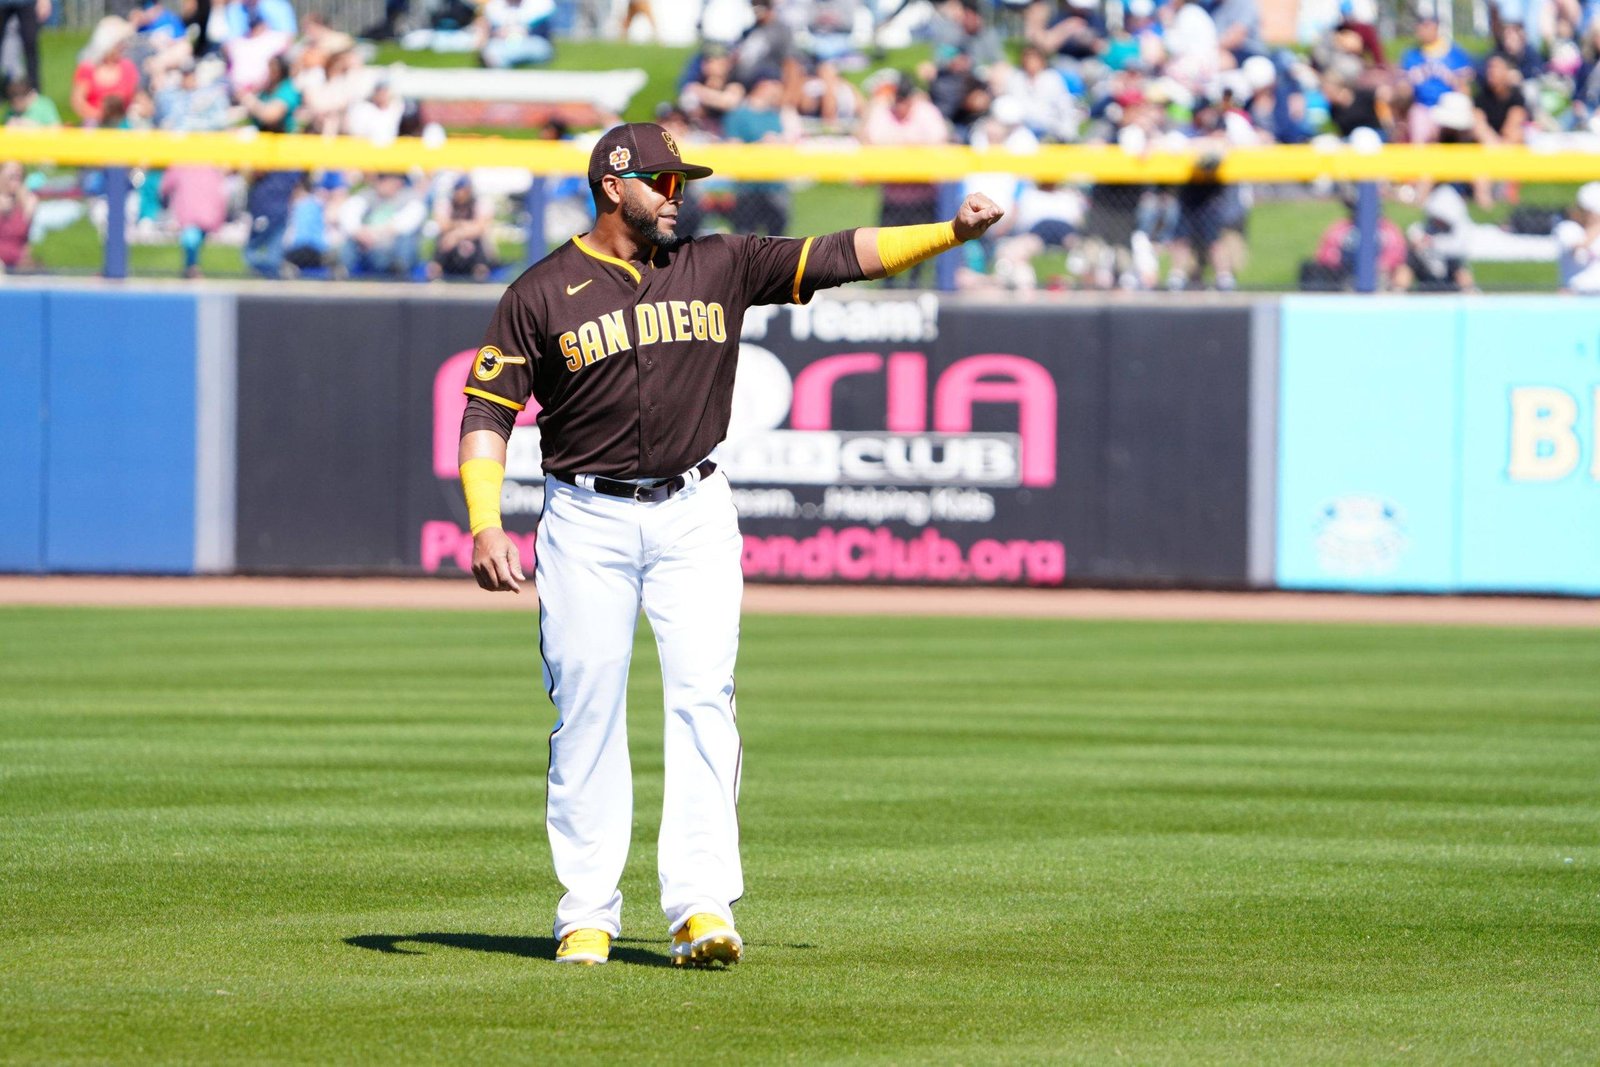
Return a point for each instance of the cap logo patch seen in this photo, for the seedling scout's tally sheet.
(620, 158)
(491, 361)
(672, 146)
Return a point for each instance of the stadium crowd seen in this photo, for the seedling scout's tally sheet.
(1011, 73)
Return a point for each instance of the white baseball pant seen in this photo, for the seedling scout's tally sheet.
(598, 558)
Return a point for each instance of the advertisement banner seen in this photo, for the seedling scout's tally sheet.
(879, 439)
(1367, 470)
(911, 440)
(1530, 446)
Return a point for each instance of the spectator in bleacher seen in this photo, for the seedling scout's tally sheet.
(957, 92)
(762, 118)
(1238, 25)
(1352, 106)
(1333, 267)
(26, 106)
(1047, 217)
(159, 45)
(249, 54)
(376, 118)
(1511, 45)
(328, 92)
(305, 243)
(1193, 46)
(465, 245)
(515, 33)
(959, 24)
(268, 201)
(1436, 66)
(197, 13)
(17, 204)
(764, 48)
(1501, 112)
(1436, 260)
(1068, 29)
(1048, 108)
(103, 70)
(382, 227)
(835, 104)
(152, 20)
(711, 93)
(277, 14)
(29, 15)
(1586, 81)
(1578, 239)
(196, 104)
(274, 109)
(197, 197)
(1211, 215)
(899, 114)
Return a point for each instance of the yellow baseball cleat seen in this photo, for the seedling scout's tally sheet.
(584, 946)
(704, 940)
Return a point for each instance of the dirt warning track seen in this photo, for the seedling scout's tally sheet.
(460, 594)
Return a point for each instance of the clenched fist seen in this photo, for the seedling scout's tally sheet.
(977, 214)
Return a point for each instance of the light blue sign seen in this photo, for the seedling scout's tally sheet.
(1530, 445)
(1367, 444)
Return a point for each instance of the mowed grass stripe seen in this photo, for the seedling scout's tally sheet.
(284, 836)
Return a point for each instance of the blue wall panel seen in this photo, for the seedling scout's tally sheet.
(1530, 510)
(22, 411)
(1367, 471)
(121, 439)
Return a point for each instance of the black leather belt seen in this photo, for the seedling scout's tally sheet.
(644, 494)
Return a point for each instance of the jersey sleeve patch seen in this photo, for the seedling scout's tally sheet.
(491, 361)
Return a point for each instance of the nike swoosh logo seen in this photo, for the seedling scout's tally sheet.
(574, 288)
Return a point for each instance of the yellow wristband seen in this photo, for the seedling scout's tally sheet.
(900, 247)
(480, 480)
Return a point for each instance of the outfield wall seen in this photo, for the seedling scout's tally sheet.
(1337, 443)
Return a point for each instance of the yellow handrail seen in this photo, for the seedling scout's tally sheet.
(830, 162)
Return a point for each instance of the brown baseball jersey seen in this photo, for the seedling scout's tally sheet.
(632, 366)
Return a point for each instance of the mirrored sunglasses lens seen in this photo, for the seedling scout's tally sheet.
(667, 183)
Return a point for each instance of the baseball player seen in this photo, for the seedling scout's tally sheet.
(627, 338)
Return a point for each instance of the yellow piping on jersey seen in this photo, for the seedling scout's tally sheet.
(799, 271)
(502, 401)
(624, 264)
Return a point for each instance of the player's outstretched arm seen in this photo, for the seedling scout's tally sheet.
(888, 250)
(496, 564)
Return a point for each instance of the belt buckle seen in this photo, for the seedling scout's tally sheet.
(652, 494)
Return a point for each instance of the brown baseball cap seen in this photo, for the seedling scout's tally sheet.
(639, 147)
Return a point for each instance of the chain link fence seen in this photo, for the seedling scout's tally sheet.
(1056, 237)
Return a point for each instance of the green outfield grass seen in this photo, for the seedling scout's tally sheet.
(316, 836)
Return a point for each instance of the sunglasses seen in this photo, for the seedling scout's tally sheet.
(667, 183)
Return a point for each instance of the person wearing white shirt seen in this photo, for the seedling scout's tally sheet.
(382, 225)
(1578, 242)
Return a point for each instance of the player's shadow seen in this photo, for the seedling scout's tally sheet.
(536, 948)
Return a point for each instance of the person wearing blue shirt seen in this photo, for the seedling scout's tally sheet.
(153, 20)
(1436, 66)
(277, 14)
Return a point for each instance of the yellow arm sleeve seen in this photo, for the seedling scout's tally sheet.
(481, 480)
(901, 247)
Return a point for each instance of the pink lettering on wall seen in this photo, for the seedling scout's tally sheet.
(445, 542)
(448, 404)
(991, 378)
(867, 553)
(1021, 382)
(813, 387)
(908, 392)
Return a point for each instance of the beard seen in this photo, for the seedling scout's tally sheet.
(643, 224)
